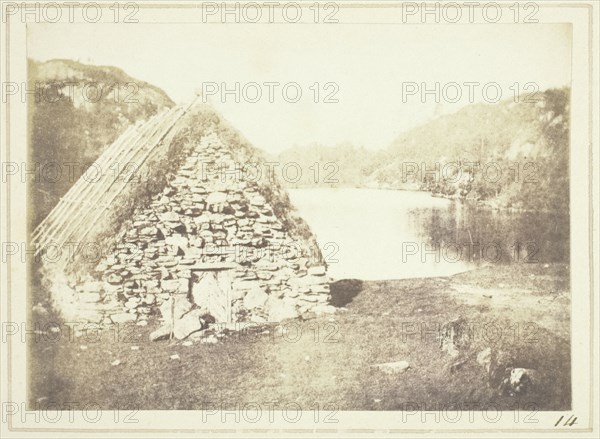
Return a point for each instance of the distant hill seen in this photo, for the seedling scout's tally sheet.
(522, 150)
(78, 111)
(339, 166)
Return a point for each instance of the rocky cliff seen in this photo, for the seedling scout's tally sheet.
(77, 110)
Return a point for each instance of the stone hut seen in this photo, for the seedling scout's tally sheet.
(190, 237)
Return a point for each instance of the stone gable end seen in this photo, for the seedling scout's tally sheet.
(209, 246)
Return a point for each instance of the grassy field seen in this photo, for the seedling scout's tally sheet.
(521, 312)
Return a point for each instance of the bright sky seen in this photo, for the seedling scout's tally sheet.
(369, 63)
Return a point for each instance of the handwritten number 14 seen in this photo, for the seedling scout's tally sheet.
(568, 423)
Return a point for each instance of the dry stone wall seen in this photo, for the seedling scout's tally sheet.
(208, 219)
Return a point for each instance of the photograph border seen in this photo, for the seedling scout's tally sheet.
(9, 280)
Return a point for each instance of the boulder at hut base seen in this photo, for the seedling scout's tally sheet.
(188, 324)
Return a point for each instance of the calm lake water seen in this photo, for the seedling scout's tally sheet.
(386, 234)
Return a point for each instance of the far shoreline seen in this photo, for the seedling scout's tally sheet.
(484, 204)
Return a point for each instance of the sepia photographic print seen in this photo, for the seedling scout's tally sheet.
(302, 219)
